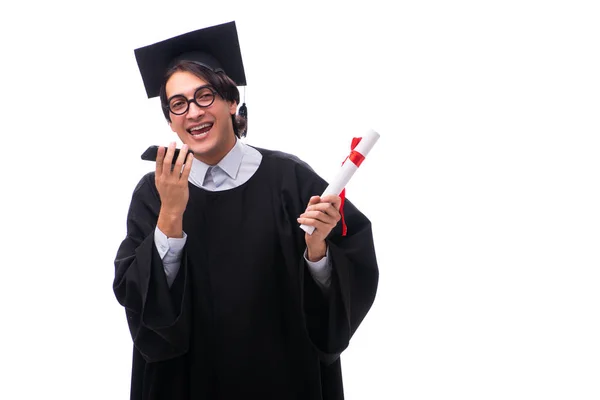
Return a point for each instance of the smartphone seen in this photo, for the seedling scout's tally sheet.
(152, 151)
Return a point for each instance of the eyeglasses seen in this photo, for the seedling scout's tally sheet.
(203, 97)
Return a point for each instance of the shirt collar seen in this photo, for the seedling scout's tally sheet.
(230, 164)
(232, 160)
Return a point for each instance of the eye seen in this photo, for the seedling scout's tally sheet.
(177, 104)
(204, 97)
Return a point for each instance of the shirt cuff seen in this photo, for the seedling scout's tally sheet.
(320, 270)
(166, 245)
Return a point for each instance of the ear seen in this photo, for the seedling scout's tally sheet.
(233, 108)
(171, 126)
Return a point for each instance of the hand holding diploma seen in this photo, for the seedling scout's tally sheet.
(360, 149)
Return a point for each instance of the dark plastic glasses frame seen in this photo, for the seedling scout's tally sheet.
(192, 100)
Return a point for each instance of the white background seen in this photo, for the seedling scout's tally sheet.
(483, 189)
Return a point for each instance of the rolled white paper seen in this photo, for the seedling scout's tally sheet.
(347, 170)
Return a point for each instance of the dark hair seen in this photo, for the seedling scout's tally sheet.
(224, 85)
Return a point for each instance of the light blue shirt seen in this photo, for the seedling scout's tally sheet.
(234, 169)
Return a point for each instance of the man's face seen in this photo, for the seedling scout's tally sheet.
(215, 137)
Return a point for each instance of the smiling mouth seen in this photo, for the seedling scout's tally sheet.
(200, 129)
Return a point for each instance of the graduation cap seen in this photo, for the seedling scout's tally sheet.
(216, 47)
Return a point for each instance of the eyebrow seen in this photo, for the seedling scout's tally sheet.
(195, 90)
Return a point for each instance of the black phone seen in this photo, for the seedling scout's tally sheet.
(152, 151)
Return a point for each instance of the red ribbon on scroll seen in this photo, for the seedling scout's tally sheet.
(356, 159)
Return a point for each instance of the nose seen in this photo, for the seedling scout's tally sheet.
(194, 111)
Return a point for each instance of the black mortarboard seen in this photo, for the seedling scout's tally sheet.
(216, 47)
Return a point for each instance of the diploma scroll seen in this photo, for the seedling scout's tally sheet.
(348, 168)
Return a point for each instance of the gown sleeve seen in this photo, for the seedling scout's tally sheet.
(158, 316)
(330, 317)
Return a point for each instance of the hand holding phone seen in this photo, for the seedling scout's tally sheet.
(171, 180)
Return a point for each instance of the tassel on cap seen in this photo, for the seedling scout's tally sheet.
(244, 111)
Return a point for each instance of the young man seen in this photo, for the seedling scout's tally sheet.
(226, 297)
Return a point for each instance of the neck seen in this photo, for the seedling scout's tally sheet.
(214, 159)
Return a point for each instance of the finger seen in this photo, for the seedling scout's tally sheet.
(304, 220)
(332, 199)
(326, 208)
(319, 226)
(181, 158)
(187, 167)
(160, 155)
(169, 158)
(320, 217)
(314, 200)
(332, 213)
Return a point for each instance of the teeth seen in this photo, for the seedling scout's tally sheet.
(199, 127)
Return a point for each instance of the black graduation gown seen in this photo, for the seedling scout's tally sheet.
(243, 318)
